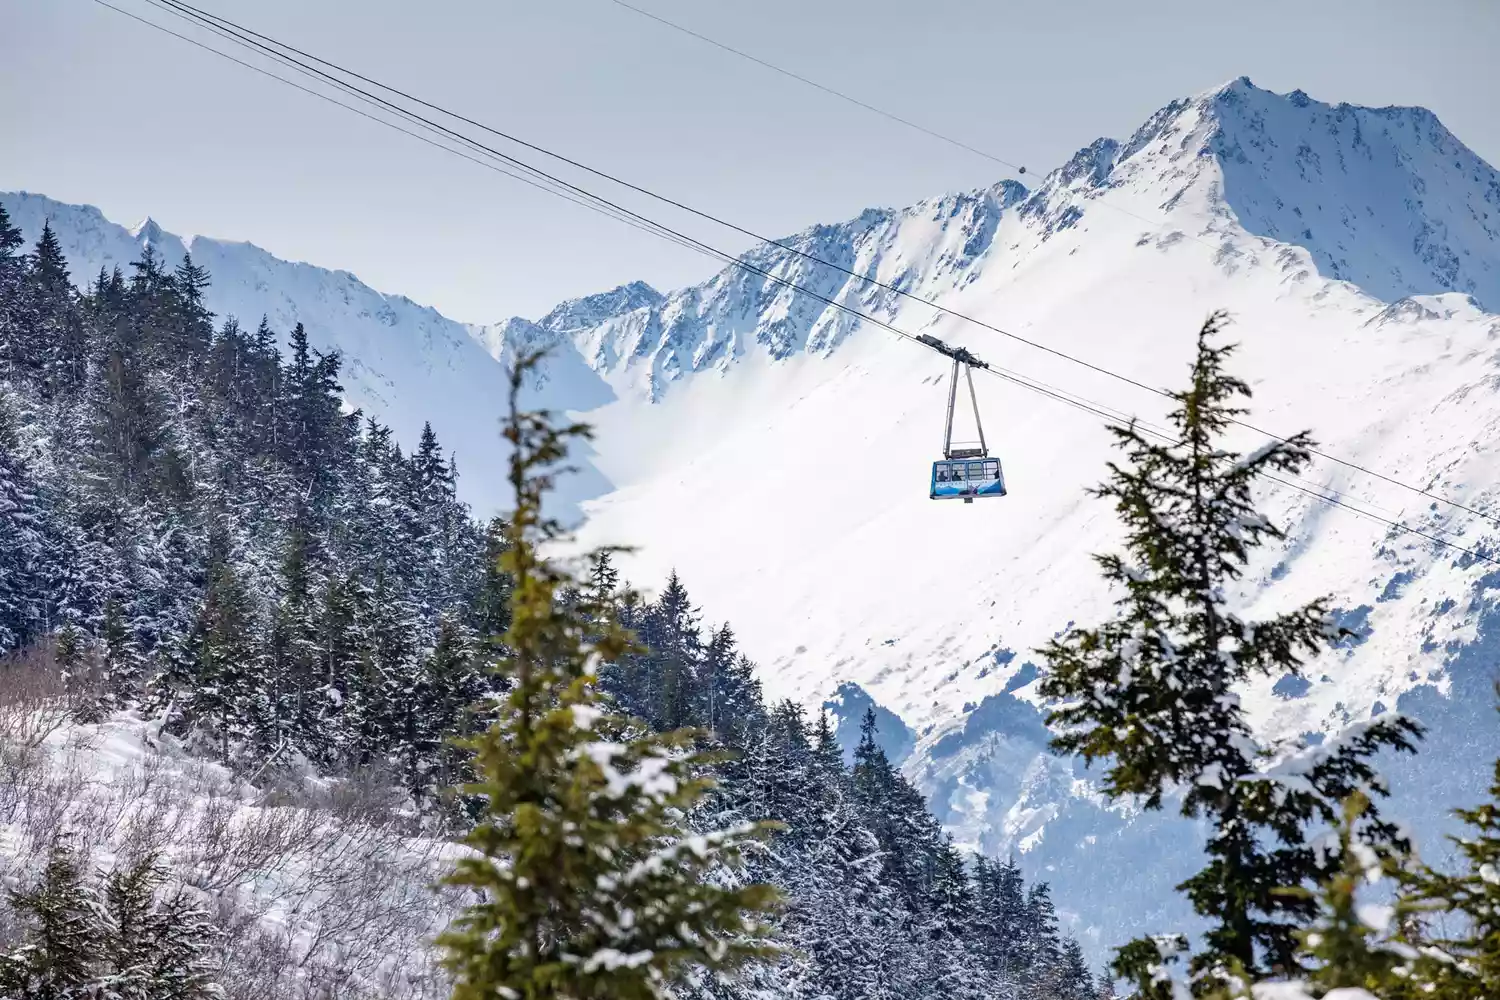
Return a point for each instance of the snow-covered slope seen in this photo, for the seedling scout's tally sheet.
(403, 363)
(775, 453)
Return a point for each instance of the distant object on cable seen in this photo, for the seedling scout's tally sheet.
(963, 473)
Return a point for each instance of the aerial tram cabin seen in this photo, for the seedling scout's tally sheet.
(963, 473)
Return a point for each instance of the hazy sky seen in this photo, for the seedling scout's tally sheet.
(97, 108)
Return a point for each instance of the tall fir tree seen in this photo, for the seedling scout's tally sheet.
(12, 271)
(1152, 691)
(154, 946)
(1464, 905)
(212, 687)
(590, 886)
(57, 959)
(57, 347)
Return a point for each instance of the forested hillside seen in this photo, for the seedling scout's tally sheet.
(193, 527)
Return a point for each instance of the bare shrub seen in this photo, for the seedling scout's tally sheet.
(44, 819)
(319, 884)
(34, 701)
(370, 796)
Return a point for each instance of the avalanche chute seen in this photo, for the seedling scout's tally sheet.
(963, 473)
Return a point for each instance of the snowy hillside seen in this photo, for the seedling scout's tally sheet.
(828, 455)
(776, 454)
(403, 363)
(786, 481)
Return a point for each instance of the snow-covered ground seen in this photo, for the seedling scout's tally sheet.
(317, 886)
(775, 452)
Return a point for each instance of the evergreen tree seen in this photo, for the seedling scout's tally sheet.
(1342, 946)
(896, 813)
(57, 961)
(600, 892)
(441, 706)
(1152, 690)
(951, 969)
(129, 425)
(50, 337)
(295, 699)
(730, 690)
(1472, 896)
(1003, 921)
(193, 324)
(25, 540)
(11, 266)
(12, 270)
(154, 948)
(213, 686)
(1073, 981)
(1042, 943)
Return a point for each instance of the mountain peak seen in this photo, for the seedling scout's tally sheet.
(1384, 198)
(147, 231)
(591, 310)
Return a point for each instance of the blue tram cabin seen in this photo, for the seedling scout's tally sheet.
(966, 478)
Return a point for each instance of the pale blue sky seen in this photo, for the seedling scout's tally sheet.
(99, 109)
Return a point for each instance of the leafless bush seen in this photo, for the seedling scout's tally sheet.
(44, 819)
(231, 843)
(370, 796)
(34, 702)
(317, 884)
(159, 823)
(23, 771)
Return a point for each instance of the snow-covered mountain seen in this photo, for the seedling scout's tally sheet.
(775, 451)
(403, 363)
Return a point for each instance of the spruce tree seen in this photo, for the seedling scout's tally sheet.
(193, 326)
(58, 342)
(63, 934)
(848, 922)
(154, 947)
(910, 839)
(213, 686)
(1072, 980)
(1152, 691)
(1469, 902)
(12, 269)
(1350, 943)
(25, 538)
(11, 265)
(296, 699)
(951, 970)
(590, 886)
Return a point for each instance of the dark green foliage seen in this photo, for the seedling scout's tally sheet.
(1152, 691)
(231, 546)
(591, 886)
(155, 946)
(212, 683)
(1457, 913)
(124, 940)
(58, 958)
(52, 344)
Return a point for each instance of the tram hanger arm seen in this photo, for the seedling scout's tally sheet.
(959, 354)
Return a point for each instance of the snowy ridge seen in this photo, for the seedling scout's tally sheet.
(642, 341)
(403, 363)
(790, 488)
(1385, 198)
(776, 455)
